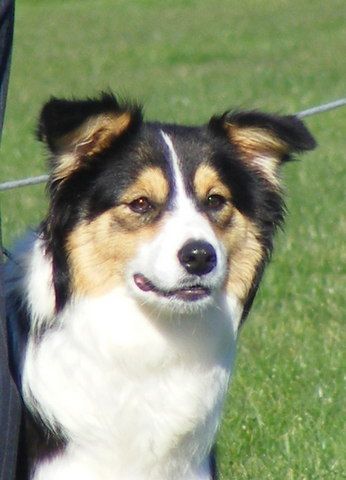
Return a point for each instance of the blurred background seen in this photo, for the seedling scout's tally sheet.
(187, 60)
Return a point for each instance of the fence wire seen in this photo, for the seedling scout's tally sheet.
(24, 182)
(322, 108)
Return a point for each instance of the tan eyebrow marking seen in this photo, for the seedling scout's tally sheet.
(207, 182)
(150, 183)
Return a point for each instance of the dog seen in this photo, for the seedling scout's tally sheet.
(124, 305)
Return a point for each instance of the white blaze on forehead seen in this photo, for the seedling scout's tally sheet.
(158, 259)
(177, 174)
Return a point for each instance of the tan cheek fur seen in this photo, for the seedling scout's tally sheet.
(100, 250)
(237, 233)
(245, 253)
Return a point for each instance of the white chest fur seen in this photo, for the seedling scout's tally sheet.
(139, 396)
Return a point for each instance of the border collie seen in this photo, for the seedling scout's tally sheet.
(124, 305)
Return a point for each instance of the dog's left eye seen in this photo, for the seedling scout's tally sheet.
(141, 205)
(215, 202)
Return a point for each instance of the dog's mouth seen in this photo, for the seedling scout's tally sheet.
(191, 293)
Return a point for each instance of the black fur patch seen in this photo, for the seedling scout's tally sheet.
(213, 464)
(36, 445)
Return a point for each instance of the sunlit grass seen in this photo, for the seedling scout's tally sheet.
(187, 60)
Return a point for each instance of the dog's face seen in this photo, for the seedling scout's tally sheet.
(180, 216)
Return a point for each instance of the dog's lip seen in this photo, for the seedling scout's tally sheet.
(188, 293)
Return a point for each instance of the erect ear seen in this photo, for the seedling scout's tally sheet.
(75, 130)
(264, 140)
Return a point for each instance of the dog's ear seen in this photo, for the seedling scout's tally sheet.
(263, 140)
(75, 130)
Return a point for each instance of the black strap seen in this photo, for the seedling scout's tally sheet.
(9, 398)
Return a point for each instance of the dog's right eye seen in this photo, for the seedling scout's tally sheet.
(215, 202)
(141, 205)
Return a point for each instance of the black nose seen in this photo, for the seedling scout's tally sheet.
(197, 257)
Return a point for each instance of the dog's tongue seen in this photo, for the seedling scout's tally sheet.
(143, 283)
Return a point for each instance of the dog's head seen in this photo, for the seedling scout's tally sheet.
(178, 215)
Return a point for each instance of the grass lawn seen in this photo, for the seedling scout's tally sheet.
(188, 59)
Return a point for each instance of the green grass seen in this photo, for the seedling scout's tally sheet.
(187, 59)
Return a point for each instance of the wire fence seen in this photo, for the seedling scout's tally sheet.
(24, 182)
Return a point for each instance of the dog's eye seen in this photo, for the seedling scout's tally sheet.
(141, 205)
(215, 202)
